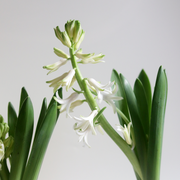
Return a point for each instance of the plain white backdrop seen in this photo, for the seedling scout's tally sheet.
(132, 34)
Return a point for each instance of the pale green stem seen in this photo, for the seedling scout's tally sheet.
(102, 120)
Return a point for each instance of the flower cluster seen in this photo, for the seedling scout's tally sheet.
(72, 38)
(6, 144)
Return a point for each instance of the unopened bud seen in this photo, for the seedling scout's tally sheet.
(69, 27)
(62, 36)
(1, 150)
(81, 38)
(60, 53)
(77, 31)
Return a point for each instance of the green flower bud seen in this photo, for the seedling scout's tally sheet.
(83, 56)
(1, 150)
(69, 27)
(8, 143)
(61, 53)
(1, 129)
(62, 36)
(1, 119)
(5, 131)
(81, 38)
(77, 31)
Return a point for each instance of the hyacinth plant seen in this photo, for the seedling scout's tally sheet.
(140, 114)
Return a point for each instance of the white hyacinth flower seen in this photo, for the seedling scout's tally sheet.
(85, 126)
(104, 92)
(67, 79)
(65, 104)
(1, 150)
(126, 131)
(55, 66)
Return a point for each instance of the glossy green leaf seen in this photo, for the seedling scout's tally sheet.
(140, 138)
(157, 126)
(147, 87)
(23, 96)
(121, 105)
(53, 100)
(41, 116)
(142, 105)
(12, 119)
(40, 144)
(22, 140)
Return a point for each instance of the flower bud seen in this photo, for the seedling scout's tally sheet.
(77, 44)
(1, 150)
(69, 27)
(8, 143)
(1, 129)
(83, 56)
(60, 53)
(77, 31)
(5, 131)
(62, 36)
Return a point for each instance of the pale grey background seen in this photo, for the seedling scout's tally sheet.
(132, 34)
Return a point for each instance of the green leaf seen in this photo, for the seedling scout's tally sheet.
(40, 144)
(140, 138)
(121, 105)
(23, 96)
(142, 105)
(147, 87)
(12, 119)
(53, 100)
(157, 126)
(41, 116)
(22, 140)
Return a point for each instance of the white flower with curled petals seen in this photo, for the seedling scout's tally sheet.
(104, 92)
(65, 104)
(109, 97)
(85, 126)
(67, 79)
(126, 131)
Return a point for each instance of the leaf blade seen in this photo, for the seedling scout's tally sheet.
(22, 139)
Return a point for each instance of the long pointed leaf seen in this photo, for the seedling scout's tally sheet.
(157, 126)
(22, 140)
(12, 119)
(23, 96)
(40, 144)
(41, 116)
(142, 104)
(147, 87)
(121, 105)
(53, 100)
(141, 144)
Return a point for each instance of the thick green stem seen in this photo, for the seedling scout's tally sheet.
(102, 120)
